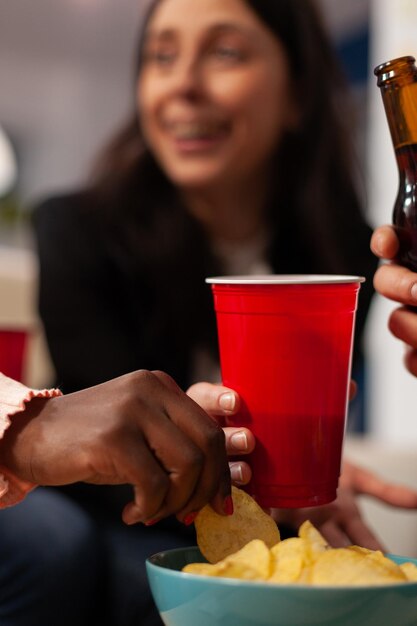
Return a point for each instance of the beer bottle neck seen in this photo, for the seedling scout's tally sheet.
(397, 81)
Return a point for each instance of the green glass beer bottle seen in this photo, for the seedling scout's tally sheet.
(397, 80)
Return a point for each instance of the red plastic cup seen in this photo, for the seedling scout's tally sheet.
(12, 353)
(286, 347)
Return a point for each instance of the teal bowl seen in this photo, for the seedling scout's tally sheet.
(191, 600)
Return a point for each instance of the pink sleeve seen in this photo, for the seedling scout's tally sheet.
(13, 398)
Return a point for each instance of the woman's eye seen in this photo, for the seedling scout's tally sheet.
(160, 57)
(228, 53)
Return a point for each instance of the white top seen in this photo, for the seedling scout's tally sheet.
(236, 258)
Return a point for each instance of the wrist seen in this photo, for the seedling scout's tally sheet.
(15, 439)
(17, 444)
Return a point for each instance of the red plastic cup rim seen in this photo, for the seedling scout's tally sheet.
(285, 279)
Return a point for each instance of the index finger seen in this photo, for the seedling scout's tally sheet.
(352, 530)
(214, 483)
(215, 399)
(396, 283)
(363, 481)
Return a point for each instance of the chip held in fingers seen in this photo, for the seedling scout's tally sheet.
(218, 536)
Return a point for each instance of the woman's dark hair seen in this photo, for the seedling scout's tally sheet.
(314, 213)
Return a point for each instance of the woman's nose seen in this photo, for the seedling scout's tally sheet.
(187, 79)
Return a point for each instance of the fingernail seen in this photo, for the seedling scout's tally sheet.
(188, 519)
(236, 473)
(239, 440)
(227, 401)
(228, 505)
(376, 245)
(414, 291)
(151, 522)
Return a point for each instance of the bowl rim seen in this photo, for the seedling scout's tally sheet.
(253, 584)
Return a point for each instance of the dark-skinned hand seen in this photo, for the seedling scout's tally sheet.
(139, 429)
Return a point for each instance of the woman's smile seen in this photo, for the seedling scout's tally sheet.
(196, 136)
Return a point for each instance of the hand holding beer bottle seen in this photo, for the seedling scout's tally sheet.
(397, 280)
(398, 283)
(397, 80)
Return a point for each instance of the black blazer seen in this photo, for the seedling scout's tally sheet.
(105, 315)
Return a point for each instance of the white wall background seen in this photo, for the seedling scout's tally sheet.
(65, 83)
(392, 406)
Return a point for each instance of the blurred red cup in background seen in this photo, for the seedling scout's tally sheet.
(12, 352)
(286, 347)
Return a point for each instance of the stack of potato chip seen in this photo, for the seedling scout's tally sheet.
(246, 545)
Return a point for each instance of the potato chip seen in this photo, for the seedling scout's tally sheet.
(305, 576)
(236, 570)
(384, 562)
(315, 541)
(410, 571)
(342, 566)
(218, 536)
(289, 558)
(223, 569)
(252, 562)
(255, 555)
(359, 549)
(203, 569)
